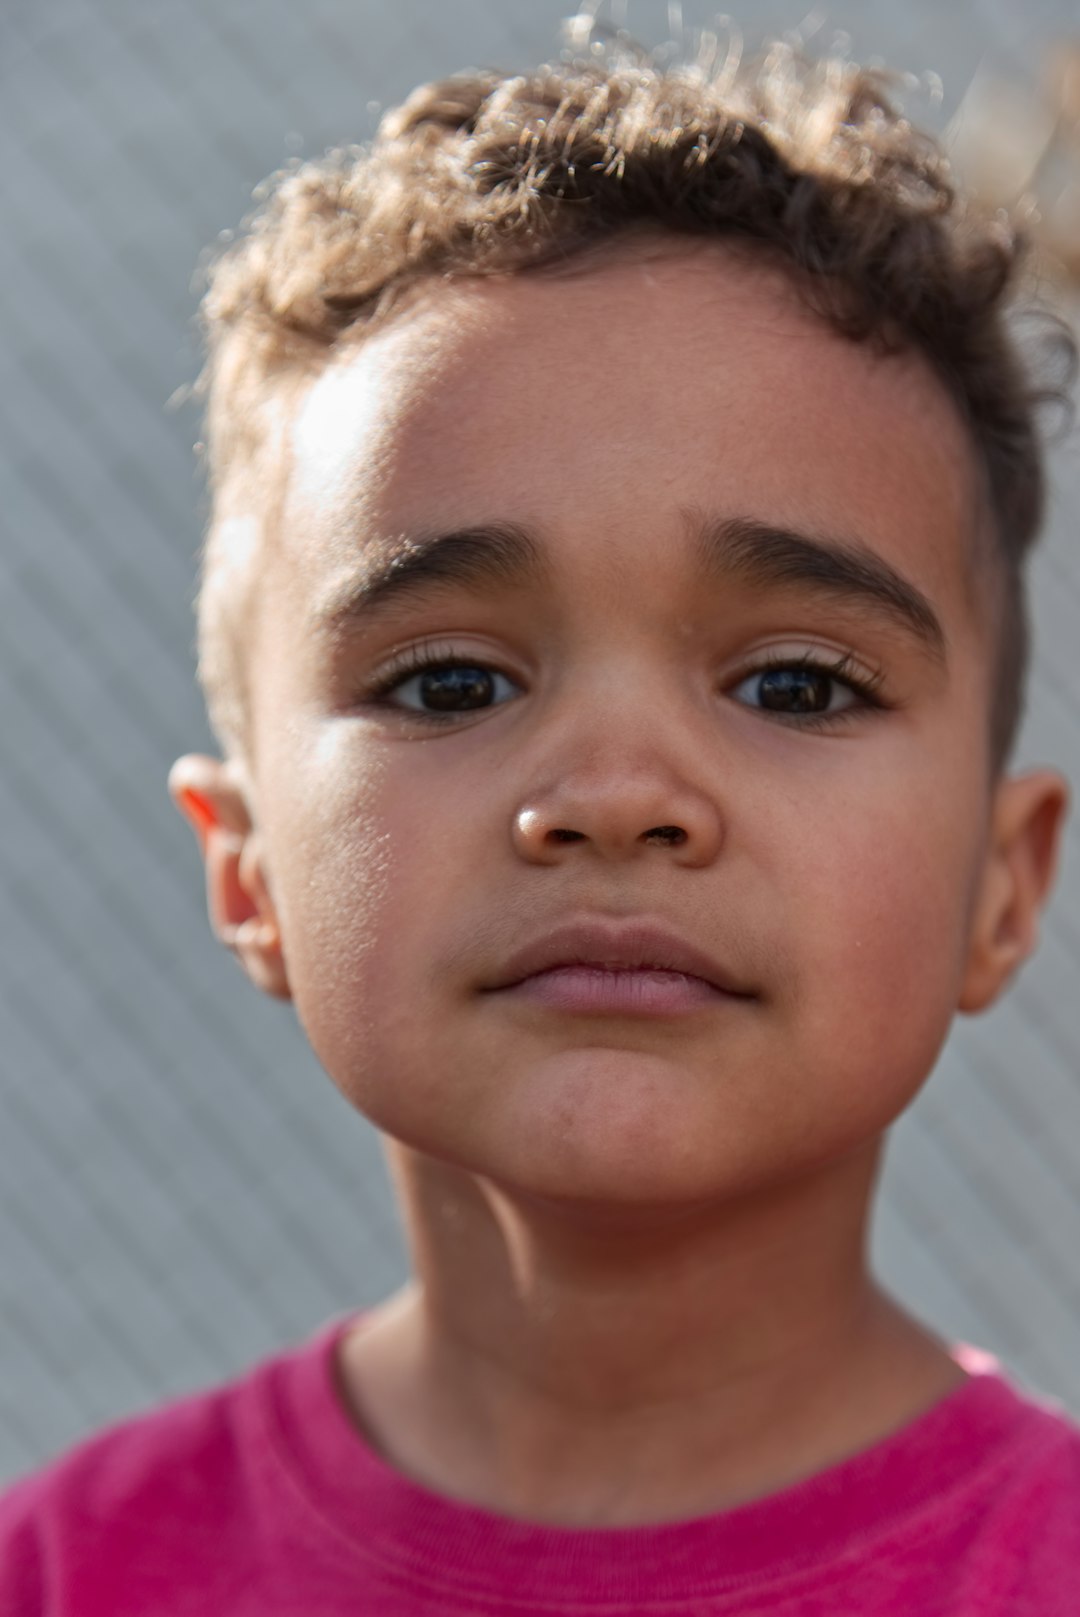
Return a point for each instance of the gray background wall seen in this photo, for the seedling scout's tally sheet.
(181, 1189)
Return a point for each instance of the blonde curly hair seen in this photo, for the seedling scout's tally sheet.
(482, 174)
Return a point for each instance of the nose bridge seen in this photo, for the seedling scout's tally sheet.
(633, 753)
(620, 772)
(619, 717)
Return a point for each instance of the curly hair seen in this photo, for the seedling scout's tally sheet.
(482, 174)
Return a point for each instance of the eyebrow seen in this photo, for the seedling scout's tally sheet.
(767, 556)
(505, 555)
(499, 554)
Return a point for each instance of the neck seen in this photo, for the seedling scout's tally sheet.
(595, 1366)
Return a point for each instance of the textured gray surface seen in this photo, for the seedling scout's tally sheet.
(181, 1189)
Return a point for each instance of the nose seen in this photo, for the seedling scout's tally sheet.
(619, 803)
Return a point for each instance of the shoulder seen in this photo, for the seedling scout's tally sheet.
(132, 1505)
(1047, 1456)
(1035, 1518)
(1026, 1525)
(126, 1457)
(1028, 1443)
(109, 1486)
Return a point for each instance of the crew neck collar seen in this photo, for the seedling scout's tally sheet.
(864, 1500)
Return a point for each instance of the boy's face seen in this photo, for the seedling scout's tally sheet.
(770, 744)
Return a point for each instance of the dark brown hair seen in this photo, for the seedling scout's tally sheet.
(483, 174)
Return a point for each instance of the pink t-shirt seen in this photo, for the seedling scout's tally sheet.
(261, 1499)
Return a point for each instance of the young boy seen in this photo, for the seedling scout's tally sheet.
(612, 616)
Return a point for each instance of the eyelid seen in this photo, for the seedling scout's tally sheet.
(839, 666)
(840, 662)
(410, 660)
(835, 661)
(419, 659)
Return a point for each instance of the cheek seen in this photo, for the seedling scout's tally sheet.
(886, 917)
(366, 855)
(332, 859)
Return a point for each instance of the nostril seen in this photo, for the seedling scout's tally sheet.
(672, 835)
(567, 836)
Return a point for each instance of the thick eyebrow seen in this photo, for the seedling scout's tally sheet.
(505, 555)
(493, 554)
(768, 556)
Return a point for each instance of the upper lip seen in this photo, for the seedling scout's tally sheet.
(620, 946)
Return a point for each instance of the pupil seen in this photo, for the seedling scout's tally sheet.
(451, 689)
(795, 690)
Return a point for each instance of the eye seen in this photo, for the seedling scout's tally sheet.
(805, 689)
(446, 688)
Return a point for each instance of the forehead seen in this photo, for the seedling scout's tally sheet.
(605, 399)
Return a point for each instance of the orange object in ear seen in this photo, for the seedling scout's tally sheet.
(199, 810)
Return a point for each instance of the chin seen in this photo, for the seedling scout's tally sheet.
(621, 1129)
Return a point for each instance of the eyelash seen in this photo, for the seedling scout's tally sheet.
(419, 660)
(842, 668)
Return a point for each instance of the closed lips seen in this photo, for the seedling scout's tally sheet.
(639, 947)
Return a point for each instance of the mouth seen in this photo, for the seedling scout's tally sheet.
(624, 969)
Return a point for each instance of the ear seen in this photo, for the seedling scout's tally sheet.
(209, 793)
(1021, 860)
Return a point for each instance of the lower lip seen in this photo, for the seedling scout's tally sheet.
(602, 991)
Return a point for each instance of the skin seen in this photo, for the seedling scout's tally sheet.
(641, 1291)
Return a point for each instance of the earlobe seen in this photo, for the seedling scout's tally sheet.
(1021, 862)
(209, 793)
